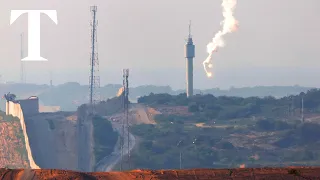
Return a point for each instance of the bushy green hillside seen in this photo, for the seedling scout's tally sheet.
(226, 132)
(105, 138)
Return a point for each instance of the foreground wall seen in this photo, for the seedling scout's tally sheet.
(53, 140)
(85, 144)
(15, 110)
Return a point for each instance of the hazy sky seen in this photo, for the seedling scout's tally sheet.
(276, 44)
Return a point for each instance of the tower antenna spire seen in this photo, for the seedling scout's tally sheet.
(22, 69)
(189, 55)
(190, 29)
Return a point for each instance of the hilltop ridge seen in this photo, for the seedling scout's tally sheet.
(71, 95)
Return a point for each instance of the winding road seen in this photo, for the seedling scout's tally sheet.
(141, 117)
(108, 162)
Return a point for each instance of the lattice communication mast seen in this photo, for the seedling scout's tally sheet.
(125, 121)
(94, 79)
(22, 68)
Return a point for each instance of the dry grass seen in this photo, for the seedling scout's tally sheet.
(12, 149)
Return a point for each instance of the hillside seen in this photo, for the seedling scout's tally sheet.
(192, 174)
(228, 132)
(12, 150)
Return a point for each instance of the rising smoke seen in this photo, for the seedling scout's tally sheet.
(229, 25)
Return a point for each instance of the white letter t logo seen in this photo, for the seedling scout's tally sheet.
(33, 30)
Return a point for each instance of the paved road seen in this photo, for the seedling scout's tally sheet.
(108, 163)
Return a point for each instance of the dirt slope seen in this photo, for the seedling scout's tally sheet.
(12, 148)
(203, 174)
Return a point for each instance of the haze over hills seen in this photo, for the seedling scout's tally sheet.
(70, 95)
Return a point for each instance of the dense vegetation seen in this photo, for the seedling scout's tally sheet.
(105, 138)
(276, 134)
(211, 147)
(10, 118)
(224, 107)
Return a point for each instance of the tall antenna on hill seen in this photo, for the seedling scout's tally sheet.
(94, 78)
(126, 111)
(125, 120)
(51, 79)
(22, 69)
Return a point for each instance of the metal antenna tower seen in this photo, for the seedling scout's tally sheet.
(125, 96)
(22, 76)
(126, 110)
(302, 113)
(51, 79)
(123, 120)
(94, 78)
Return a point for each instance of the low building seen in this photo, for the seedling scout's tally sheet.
(29, 106)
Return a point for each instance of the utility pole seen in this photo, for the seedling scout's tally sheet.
(302, 115)
(51, 80)
(180, 154)
(292, 106)
(126, 111)
(22, 69)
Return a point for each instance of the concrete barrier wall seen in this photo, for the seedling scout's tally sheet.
(15, 110)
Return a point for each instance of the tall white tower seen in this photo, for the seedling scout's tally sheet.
(189, 51)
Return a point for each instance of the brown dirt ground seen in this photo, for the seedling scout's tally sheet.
(203, 174)
(11, 146)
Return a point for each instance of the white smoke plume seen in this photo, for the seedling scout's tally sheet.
(229, 25)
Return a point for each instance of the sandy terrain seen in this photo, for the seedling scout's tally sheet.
(143, 115)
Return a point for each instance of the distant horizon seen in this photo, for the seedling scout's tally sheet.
(223, 79)
(230, 88)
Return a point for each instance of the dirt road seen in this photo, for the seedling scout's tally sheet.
(108, 163)
(139, 114)
(143, 116)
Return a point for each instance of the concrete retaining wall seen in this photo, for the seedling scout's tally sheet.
(85, 144)
(15, 110)
(53, 140)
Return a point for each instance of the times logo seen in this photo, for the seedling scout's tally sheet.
(33, 30)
